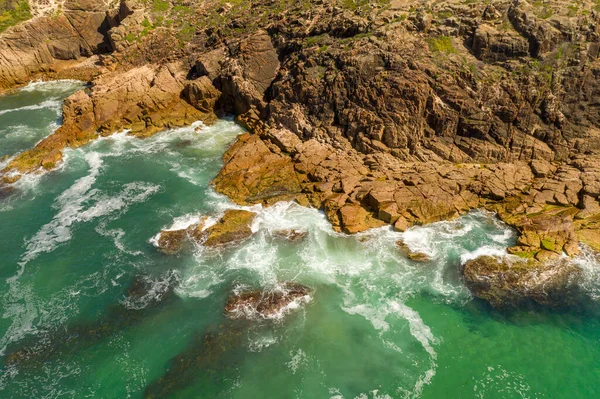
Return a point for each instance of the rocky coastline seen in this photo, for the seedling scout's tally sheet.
(396, 113)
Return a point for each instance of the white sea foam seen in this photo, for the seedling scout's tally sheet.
(54, 104)
(589, 262)
(82, 203)
(158, 288)
(53, 85)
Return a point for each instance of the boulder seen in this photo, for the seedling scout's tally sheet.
(233, 226)
(507, 282)
(415, 256)
(489, 44)
(273, 304)
(201, 94)
(355, 219)
(171, 241)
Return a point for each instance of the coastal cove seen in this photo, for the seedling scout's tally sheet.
(91, 308)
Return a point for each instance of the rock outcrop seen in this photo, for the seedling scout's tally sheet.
(234, 226)
(144, 100)
(404, 115)
(273, 304)
(54, 45)
(507, 282)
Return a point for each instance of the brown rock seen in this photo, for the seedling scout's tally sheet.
(506, 283)
(415, 256)
(267, 304)
(355, 219)
(234, 226)
(201, 94)
(171, 241)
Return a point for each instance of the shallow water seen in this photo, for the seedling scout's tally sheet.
(377, 325)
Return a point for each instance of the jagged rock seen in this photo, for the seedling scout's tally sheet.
(506, 282)
(233, 226)
(255, 174)
(54, 42)
(492, 45)
(245, 78)
(267, 304)
(144, 100)
(415, 256)
(201, 94)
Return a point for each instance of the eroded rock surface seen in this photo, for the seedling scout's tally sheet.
(406, 114)
(144, 100)
(506, 282)
(234, 226)
(274, 304)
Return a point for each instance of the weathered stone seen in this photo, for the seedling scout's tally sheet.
(355, 219)
(201, 94)
(233, 226)
(273, 304)
(415, 256)
(171, 241)
(505, 282)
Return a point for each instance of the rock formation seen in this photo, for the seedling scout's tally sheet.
(398, 112)
(143, 100)
(267, 304)
(234, 226)
(505, 282)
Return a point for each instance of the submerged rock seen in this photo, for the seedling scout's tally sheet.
(507, 282)
(144, 297)
(415, 256)
(171, 241)
(291, 235)
(209, 357)
(260, 304)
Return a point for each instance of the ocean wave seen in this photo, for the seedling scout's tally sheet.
(54, 104)
(53, 85)
(82, 203)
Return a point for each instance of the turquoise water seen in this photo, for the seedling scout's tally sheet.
(91, 309)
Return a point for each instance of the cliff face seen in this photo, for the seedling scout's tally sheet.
(55, 39)
(400, 112)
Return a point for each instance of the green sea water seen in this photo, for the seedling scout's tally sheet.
(90, 309)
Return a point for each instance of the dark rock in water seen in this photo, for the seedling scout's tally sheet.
(171, 241)
(267, 304)
(207, 358)
(415, 256)
(6, 191)
(144, 297)
(508, 282)
(291, 235)
(184, 144)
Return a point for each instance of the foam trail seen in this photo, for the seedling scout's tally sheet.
(589, 262)
(52, 85)
(53, 104)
